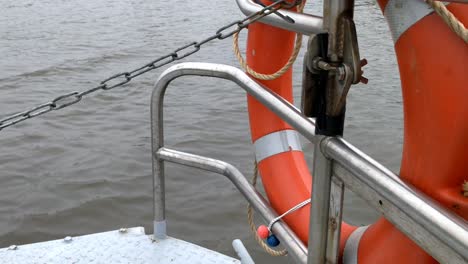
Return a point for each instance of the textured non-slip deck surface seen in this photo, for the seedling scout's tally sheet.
(122, 246)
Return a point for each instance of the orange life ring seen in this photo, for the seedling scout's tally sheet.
(432, 62)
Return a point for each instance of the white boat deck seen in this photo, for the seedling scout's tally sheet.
(121, 246)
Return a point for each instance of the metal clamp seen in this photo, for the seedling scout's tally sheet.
(348, 72)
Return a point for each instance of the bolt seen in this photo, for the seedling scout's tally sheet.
(325, 66)
(13, 247)
(68, 239)
(333, 224)
(123, 230)
(320, 64)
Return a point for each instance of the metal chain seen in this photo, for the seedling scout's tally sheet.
(120, 79)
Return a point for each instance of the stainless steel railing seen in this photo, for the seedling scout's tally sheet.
(296, 247)
(303, 23)
(160, 154)
(337, 164)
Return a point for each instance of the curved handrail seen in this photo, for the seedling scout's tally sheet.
(288, 112)
(439, 231)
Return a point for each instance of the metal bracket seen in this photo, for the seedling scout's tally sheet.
(343, 74)
(351, 49)
(311, 77)
(348, 72)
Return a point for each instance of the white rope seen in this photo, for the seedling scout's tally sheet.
(295, 208)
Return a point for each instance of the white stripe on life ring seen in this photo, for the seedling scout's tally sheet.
(350, 254)
(403, 14)
(275, 143)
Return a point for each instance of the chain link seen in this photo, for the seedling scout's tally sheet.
(123, 78)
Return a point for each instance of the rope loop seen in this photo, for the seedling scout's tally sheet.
(250, 219)
(283, 69)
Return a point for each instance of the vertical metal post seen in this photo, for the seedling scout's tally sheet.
(159, 194)
(159, 200)
(327, 198)
(333, 11)
(334, 221)
(321, 187)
